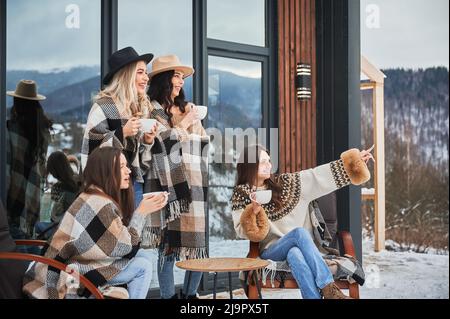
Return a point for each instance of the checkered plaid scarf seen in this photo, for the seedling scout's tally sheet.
(24, 181)
(91, 239)
(167, 173)
(181, 168)
(104, 128)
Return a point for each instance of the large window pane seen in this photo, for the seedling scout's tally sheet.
(159, 27)
(234, 94)
(237, 21)
(56, 43)
(62, 55)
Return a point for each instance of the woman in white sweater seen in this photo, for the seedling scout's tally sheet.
(283, 227)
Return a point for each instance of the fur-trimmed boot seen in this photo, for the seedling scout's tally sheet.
(332, 291)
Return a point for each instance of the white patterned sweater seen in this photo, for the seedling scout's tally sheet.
(313, 183)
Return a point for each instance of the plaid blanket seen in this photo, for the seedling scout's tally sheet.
(179, 165)
(104, 128)
(91, 239)
(62, 198)
(24, 182)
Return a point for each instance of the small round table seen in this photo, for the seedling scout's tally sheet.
(229, 265)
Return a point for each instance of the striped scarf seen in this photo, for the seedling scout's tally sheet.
(180, 168)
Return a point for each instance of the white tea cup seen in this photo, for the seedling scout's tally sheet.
(166, 194)
(201, 110)
(147, 125)
(262, 197)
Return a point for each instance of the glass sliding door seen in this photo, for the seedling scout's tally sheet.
(235, 111)
(238, 47)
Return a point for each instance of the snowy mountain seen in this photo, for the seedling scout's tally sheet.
(416, 110)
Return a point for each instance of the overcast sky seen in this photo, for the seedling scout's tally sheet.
(39, 39)
(410, 33)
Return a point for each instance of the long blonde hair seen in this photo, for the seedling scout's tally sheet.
(122, 89)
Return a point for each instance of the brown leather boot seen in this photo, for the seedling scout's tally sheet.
(332, 291)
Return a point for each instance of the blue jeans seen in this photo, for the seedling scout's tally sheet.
(307, 265)
(41, 226)
(138, 193)
(137, 275)
(166, 280)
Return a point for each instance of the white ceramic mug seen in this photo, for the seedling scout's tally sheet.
(202, 111)
(147, 125)
(262, 197)
(155, 194)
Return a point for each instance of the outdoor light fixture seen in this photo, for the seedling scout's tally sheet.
(303, 81)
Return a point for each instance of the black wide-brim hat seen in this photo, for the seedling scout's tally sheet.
(122, 58)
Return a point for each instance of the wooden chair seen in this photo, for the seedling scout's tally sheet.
(8, 256)
(342, 239)
(13, 264)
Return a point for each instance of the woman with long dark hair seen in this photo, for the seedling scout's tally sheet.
(166, 94)
(180, 231)
(284, 226)
(63, 192)
(28, 136)
(100, 233)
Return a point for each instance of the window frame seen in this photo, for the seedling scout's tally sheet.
(3, 101)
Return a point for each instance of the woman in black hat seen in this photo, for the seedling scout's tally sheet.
(114, 119)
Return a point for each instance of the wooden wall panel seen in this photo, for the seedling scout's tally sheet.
(296, 44)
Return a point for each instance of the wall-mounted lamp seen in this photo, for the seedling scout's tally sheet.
(303, 81)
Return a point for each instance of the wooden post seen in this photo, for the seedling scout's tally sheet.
(378, 111)
(376, 84)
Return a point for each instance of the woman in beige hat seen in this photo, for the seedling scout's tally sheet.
(166, 92)
(183, 235)
(28, 136)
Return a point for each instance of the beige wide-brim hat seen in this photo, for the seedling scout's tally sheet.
(168, 63)
(26, 89)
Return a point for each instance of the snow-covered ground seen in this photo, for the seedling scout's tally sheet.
(389, 275)
(404, 275)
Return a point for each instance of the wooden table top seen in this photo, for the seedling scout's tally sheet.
(222, 264)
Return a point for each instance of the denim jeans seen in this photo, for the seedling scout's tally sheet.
(306, 263)
(41, 226)
(166, 279)
(138, 193)
(137, 275)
